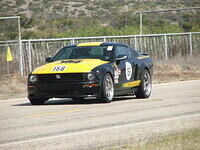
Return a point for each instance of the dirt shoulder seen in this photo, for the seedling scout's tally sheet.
(165, 77)
(187, 140)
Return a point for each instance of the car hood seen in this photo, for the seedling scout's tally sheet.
(69, 66)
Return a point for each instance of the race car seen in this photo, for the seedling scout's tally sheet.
(94, 69)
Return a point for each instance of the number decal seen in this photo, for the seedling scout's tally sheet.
(129, 71)
(59, 68)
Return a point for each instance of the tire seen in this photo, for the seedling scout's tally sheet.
(37, 101)
(107, 89)
(145, 88)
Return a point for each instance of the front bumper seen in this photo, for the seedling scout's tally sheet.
(63, 90)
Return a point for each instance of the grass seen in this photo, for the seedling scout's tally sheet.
(188, 140)
(12, 86)
(177, 69)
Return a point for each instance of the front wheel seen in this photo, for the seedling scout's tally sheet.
(107, 89)
(37, 101)
(145, 88)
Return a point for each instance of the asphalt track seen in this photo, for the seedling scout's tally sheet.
(64, 124)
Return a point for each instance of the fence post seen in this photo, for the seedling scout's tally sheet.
(135, 42)
(72, 41)
(190, 39)
(29, 56)
(166, 51)
(104, 39)
(21, 66)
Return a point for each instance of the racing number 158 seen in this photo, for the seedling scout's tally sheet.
(59, 68)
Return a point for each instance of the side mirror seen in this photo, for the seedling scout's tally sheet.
(121, 57)
(145, 54)
(48, 59)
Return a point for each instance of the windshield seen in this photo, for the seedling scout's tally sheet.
(87, 52)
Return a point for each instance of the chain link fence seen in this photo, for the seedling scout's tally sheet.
(158, 46)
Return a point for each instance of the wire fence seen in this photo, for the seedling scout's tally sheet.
(158, 46)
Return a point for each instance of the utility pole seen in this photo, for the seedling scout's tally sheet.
(21, 67)
(141, 23)
(158, 11)
(20, 49)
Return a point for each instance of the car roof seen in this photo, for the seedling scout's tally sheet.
(97, 44)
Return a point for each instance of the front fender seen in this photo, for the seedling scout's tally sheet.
(101, 70)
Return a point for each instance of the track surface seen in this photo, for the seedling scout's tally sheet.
(63, 124)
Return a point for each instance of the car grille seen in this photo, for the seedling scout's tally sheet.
(57, 78)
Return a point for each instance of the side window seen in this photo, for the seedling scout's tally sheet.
(96, 51)
(122, 50)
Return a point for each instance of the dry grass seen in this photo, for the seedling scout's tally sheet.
(188, 140)
(12, 86)
(177, 69)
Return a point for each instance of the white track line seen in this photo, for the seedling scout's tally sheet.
(100, 129)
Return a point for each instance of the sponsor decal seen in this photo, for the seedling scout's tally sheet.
(59, 68)
(129, 71)
(116, 80)
(117, 73)
(109, 48)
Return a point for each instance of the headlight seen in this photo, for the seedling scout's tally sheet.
(91, 76)
(33, 78)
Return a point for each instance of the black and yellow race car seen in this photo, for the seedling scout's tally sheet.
(95, 69)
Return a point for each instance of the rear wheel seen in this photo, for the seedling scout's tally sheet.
(107, 89)
(145, 88)
(37, 101)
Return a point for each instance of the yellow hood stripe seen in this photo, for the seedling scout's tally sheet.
(90, 44)
(84, 66)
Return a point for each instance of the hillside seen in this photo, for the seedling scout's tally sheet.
(77, 8)
(67, 15)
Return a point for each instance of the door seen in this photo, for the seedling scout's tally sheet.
(125, 69)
